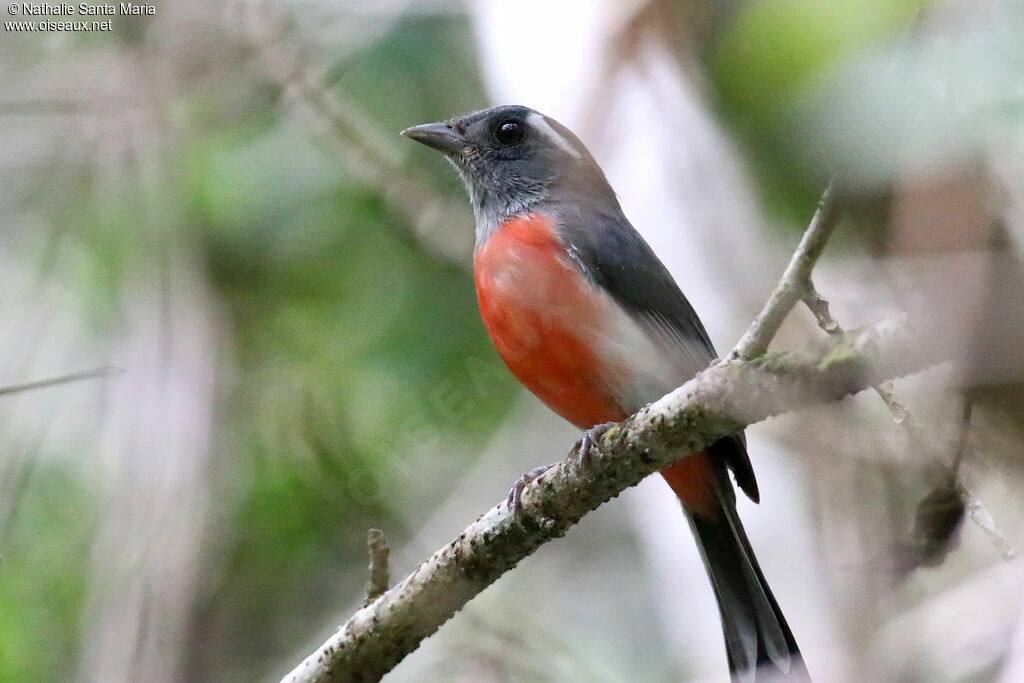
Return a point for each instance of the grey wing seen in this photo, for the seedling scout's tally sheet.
(613, 255)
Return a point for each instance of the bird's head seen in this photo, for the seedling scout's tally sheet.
(514, 160)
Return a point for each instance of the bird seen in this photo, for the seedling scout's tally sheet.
(585, 315)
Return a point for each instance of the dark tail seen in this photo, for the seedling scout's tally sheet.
(758, 641)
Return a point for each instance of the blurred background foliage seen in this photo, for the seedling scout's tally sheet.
(172, 208)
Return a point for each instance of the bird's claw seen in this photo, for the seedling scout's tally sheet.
(589, 442)
(515, 494)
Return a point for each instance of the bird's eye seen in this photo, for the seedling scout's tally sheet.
(510, 132)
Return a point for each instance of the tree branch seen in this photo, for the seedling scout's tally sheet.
(722, 400)
(377, 547)
(794, 280)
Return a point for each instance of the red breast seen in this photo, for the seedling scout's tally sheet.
(544, 318)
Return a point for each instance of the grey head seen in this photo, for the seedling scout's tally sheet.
(515, 160)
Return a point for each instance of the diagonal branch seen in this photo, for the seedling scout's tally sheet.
(723, 399)
(792, 286)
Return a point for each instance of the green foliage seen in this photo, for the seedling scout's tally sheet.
(43, 577)
(776, 51)
(768, 64)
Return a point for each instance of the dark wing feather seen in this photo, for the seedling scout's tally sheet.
(613, 255)
(616, 257)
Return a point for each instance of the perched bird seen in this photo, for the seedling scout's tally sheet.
(587, 318)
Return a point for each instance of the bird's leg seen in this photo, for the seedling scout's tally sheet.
(580, 452)
(589, 442)
(515, 494)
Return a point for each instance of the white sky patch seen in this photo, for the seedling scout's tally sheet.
(540, 123)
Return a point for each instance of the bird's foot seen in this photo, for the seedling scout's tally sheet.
(515, 494)
(590, 442)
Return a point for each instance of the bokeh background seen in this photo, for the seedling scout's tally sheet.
(215, 200)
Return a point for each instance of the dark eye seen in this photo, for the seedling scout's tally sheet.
(510, 132)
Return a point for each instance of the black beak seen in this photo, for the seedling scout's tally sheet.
(440, 136)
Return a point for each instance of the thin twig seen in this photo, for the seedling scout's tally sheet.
(791, 287)
(818, 306)
(980, 516)
(380, 578)
(95, 373)
(900, 414)
(719, 401)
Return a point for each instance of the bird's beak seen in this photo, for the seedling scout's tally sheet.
(440, 136)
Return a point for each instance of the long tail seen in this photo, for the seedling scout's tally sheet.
(758, 641)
